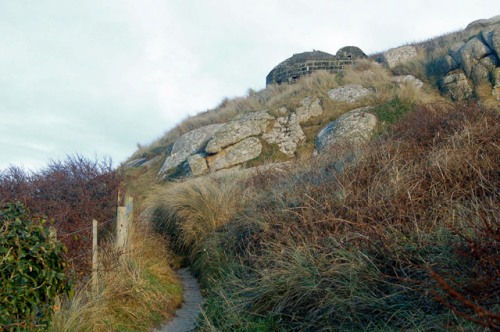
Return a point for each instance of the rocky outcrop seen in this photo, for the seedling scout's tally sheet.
(223, 146)
(349, 93)
(483, 22)
(197, 164)
(188, 144)
(408, 79)
(456, 86)
(352, 128)
(310, 108)
(286, 133)
(492, 39)
(242, 151)
(477, 58)
(469, 54)
(136, 163)
(398, 55)
(250, 124)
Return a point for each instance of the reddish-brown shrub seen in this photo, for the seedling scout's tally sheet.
(71, 193)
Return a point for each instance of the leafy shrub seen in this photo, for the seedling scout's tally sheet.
(31, 271)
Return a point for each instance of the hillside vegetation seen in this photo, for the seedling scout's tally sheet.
(399, 233)
(46, 278)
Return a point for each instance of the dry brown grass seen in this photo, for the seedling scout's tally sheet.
(318, 249)
(137, 290)
(189, 211)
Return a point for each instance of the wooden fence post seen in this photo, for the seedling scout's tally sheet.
(130, 211)
(94, 257)
(121, 228)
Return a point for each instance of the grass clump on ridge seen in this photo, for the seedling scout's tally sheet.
(385, 245)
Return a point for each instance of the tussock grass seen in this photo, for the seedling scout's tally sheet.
(137, 291)
(187, 212)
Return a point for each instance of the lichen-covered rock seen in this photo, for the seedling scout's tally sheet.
(195, 140)
(286, 133)
(188, 144)
(457, 86)
(310, 108)
(492, 39)
(148, 164)
(245, 150)
(197, 164)
(449, 63)
(136, 163)
(349, 93)
(470, 53)
(249, 124)
(408, 79)
(398, 55)
(352, 128)
(483, 22)
(481, 70)
(454, 53)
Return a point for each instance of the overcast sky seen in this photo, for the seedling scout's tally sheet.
(97, 77)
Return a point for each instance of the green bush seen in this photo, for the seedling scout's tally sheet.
(31, 271)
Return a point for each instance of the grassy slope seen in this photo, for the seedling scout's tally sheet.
(380, 245)
(405, 238)
(137, 291)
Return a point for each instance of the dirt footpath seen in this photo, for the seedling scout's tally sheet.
(185, 317)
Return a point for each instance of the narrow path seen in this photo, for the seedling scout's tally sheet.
(185, 317)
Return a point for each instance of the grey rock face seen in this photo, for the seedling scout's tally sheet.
(188, 144)
(245, 150)
(470, 53)
(492, 39)
(483, 22)
(353, 128)
(481, 70)
(250, 124)
(454, 53)
(395, 56)
(478, 58)
(195, 140)
(449, 63)
(197, 164)
(457, 86)
(310, 108)
(136, 163)
(286, 133)
(408, 79)
(349, 93)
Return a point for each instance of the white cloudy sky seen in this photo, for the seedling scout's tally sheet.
(99, 76)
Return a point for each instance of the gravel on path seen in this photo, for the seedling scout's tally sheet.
(185, 317)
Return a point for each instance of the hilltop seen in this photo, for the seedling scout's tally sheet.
(354, 192)
(461, 66)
